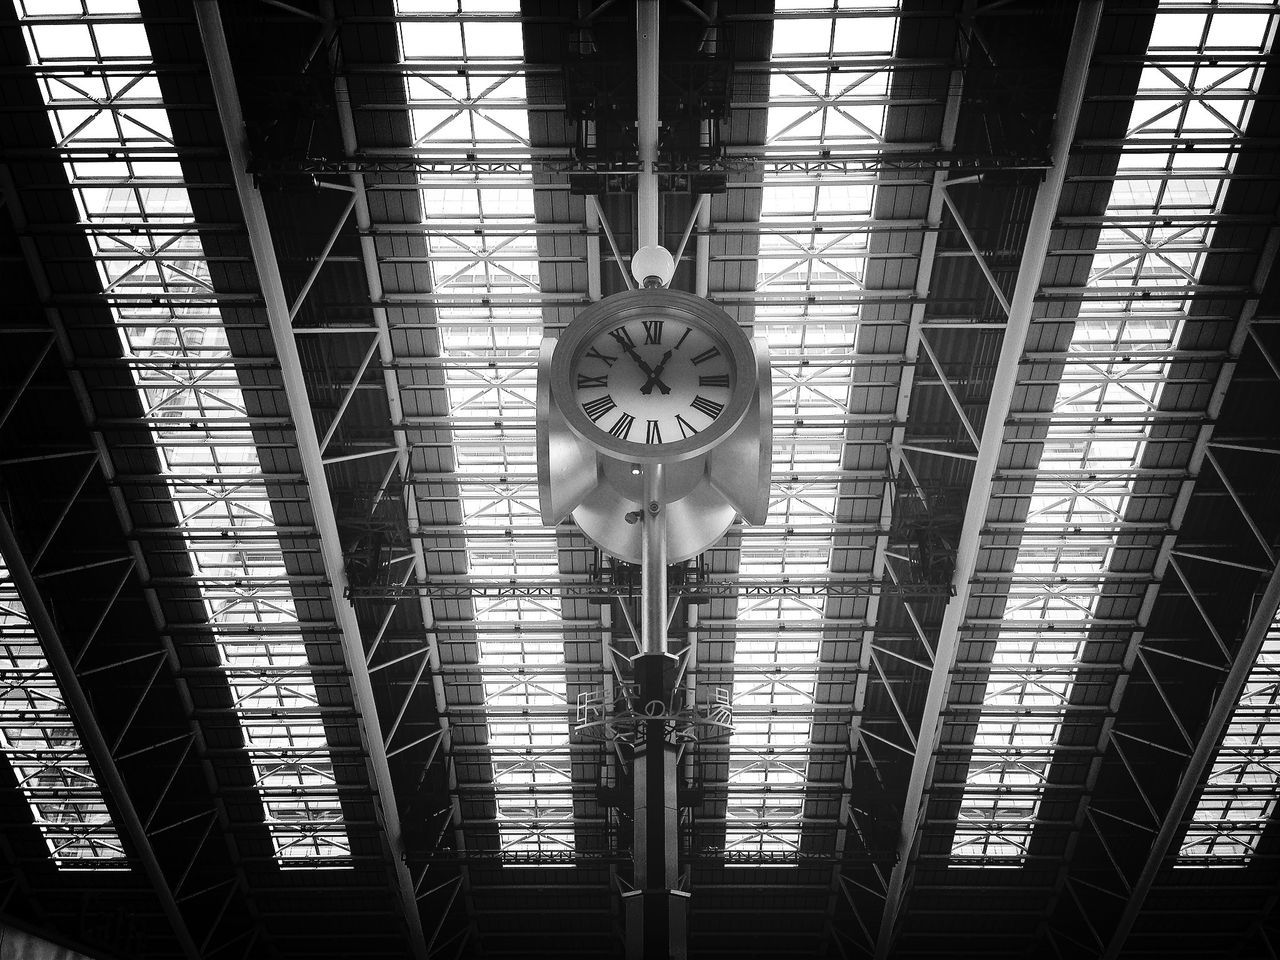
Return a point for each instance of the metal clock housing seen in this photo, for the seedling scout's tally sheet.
(579, 359)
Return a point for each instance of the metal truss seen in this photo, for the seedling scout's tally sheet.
(311, 451)
(196, 388)
(153, 814)
(796, 587)
(1018, 308)
(100, 752)
(1216, 833)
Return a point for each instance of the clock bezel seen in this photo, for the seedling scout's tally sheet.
(673, 305)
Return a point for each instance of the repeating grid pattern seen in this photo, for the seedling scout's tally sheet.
(804, 270)
(113, 133)
(1243, 784)
(39, 739)
(1147, 262)
(482, 248)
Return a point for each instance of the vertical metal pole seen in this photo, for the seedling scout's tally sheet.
(647, 120)
(653, 563)
(702, 260)
(655, 909)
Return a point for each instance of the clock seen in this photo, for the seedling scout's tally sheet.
(653, 375)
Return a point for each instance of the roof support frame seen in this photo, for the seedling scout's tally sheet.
(898, 464)
(226, 96)
(1167, 828)
(101, 449)
(1071, 98)
(92, 735)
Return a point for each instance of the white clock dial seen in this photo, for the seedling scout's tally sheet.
(654, 381)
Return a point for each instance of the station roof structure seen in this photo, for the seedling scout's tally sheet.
(291, 667)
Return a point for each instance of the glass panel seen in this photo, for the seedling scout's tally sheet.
(40, 742)
(1244, 782)
(1110, 386)
(525, 694)
(813, 107)
(155, 280)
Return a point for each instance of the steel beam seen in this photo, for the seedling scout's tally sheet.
(1192, 779)
(308, 444)
(92, 736)
(1030, 269)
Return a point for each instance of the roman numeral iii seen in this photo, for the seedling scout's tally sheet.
(715, 380)
(709, 407)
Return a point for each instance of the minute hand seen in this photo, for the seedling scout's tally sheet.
(630, 351)
(654, 374)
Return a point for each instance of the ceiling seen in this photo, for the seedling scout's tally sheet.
(293, 669)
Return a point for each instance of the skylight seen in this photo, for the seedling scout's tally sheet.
(481, 243)
(39, 739)
(1106, 404)
(113, 132)
(1243, 785)
(802, 271)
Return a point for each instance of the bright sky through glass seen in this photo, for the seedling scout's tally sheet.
(525, 696)
(138, 219)
(39, 739)
(1101, 416)
(773, 697)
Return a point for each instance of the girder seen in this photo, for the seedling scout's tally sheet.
(992, 439)
(232, 122)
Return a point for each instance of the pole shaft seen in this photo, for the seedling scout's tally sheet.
(653, 563)
(647, 120)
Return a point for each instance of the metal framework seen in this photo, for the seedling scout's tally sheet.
(1029, 357)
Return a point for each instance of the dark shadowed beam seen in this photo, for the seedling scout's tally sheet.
(95, 741)
(975, 518)
(277, 308)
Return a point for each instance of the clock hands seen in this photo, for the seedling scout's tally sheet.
(650, 372)
(654, 374)
(630, 351)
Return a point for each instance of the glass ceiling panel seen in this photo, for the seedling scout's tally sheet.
(525, 694)
(812, 108)
(155, 280)
(39, 739)
(1244, 782)
(1116, 365)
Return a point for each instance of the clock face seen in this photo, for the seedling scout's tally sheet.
(653, 382)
